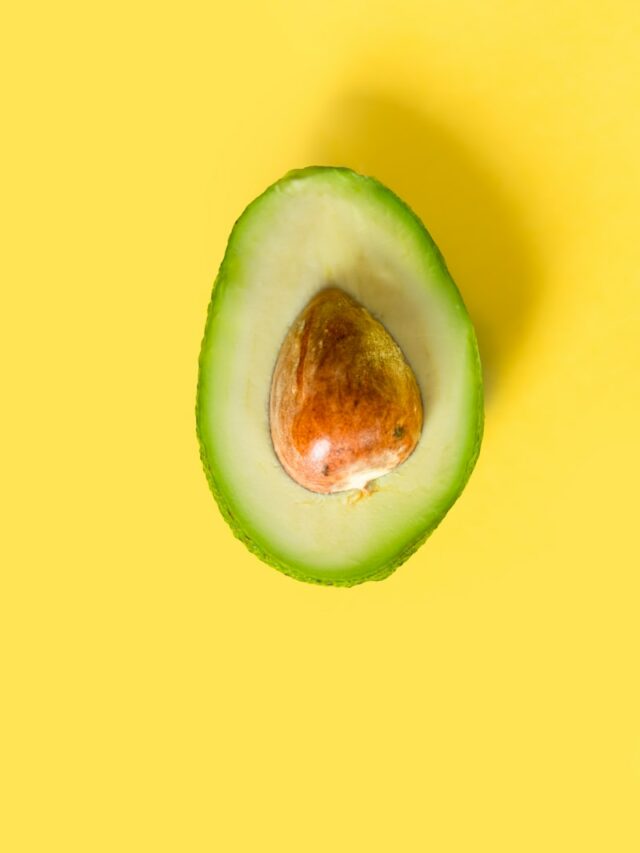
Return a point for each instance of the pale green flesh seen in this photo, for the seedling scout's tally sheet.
(317, 227)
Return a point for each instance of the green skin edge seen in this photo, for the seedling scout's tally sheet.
(227, 513)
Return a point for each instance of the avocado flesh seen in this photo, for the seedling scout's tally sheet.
(317, 227)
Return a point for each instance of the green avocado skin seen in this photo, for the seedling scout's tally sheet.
(239, 530)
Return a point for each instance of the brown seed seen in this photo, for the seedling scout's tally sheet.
(345, 406)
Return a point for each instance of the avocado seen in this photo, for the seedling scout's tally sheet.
(339, 406)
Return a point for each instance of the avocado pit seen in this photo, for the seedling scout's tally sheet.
(345, 407)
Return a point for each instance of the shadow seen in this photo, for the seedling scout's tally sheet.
(465, 208)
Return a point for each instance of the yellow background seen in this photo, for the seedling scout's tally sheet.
(164, 690)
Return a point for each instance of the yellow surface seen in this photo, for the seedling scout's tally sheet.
(162, 689)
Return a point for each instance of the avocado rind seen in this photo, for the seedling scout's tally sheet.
(242, 527)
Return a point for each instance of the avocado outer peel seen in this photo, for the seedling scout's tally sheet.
(240, 527)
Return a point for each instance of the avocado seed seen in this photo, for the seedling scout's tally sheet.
(345, 407)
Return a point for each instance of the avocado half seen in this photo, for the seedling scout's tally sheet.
(320, 227)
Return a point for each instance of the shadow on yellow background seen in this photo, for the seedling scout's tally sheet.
(466, 209)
